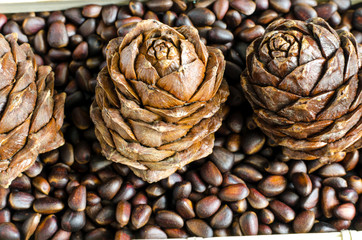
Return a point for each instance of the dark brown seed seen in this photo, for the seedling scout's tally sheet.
(47, 205)
(169, 219)
(169, 18)
(197, 184)
(264, 230)
(268, 16)
(201, 17)
(61, 235)
(39, 44)
(219, 36)
(78, 198)
(91, 11)
(304, 11)
(281, 228)
(185, 208)
(140, 215)
(126, 192)
(357, 19)
(88, 27)
(3, 20)
(5, 215)
(341, 224)
(58, 176)
(139, 198)
(222, 218)
(234, 192)
(335, 182)
(302, 183)
(348, 195)
(21, 183)
(281, 6)
(211, 174)
(105, 216)
(303, 222)
(311, 200)
(328, 201)
(249, 223)
(109, 189)
(92, 198)
(239, 206)
(30, 225)
(256, 199)
(126, 28)
(123, 213)
(325, 10)
(323, 227)
(159, 5)
(355, 182)
(155, 190)
(74, 15)
(20, 200)
(32, 25)
(332, 170)
(47, 227)
(98, 234)
(199, 228)
(152, 232)
(207, 206)
(73, 221)
(282, 211)
(272, 185)
(81, 51)
(176, 233)
(277, 168)
(350, 160)
(346, 211)
(109, 14)
(232, 18)
(266, 216)
(3, 196)
(13, 27)
(136, 8)
(246, 7)
(248, 173)
(57, 35)
(182, 190)
(220, 8)
(8, 231)
(122, 235)
(252, 141)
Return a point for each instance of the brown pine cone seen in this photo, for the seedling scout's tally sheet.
(158, 101)
(303, 84)
(31, 112)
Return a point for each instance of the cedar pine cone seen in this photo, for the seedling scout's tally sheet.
(158, 101)
(303, 84)
(31, 112)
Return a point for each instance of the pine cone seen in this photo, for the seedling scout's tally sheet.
(31, 113)
(158, 101)
(303, 84)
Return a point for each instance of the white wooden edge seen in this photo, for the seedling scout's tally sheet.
(12, 6)
(343, 235)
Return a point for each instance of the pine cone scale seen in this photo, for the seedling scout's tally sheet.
(312, 108)
(166, 103)
(31, 113)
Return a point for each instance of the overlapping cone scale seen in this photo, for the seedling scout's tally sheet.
(31, 112)
(158, 101)
(303, 82)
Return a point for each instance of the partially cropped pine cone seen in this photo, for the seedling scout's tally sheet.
(31, 113)
(303, 84)
(158, 101)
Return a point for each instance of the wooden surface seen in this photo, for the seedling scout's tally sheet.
(11, 6)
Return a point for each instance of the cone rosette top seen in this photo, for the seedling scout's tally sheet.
(158, 100)
(31, 112)
(302, 80)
